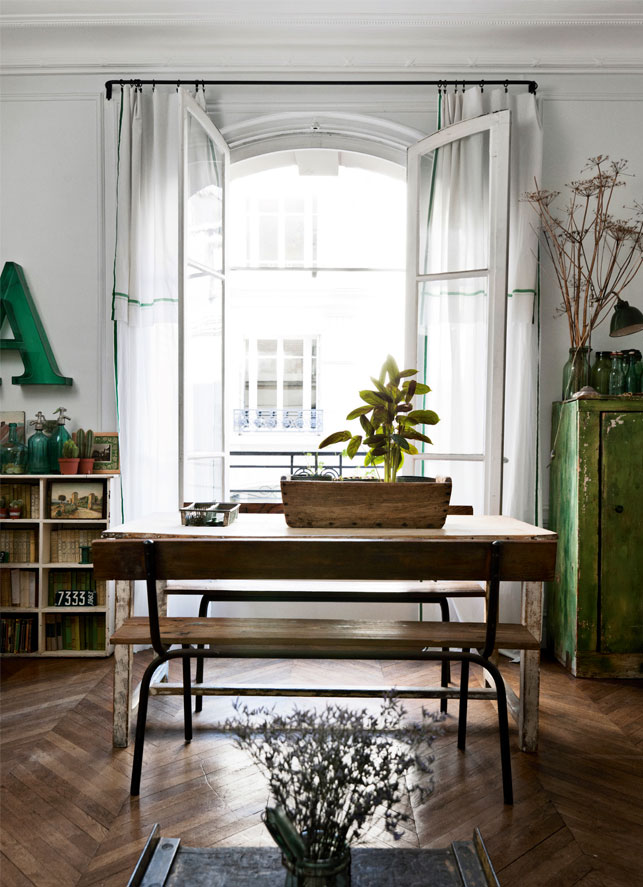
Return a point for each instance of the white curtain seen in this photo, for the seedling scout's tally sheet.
(454, 314)
(145, 299)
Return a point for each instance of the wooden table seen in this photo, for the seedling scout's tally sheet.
(262, 546)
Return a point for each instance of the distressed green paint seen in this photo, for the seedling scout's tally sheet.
(595, 604)
(29, 336)
(621, 515)
(561, 605)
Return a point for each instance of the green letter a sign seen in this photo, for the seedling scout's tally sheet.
(29, 337)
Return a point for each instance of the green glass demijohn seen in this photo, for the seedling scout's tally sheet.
(576, 371)
(38, 448)
(600, 375)
(13, 458)
(617, 376)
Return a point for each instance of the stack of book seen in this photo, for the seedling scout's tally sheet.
(74, 580)
(18, 634)
(22, 545)
(18, 588)
(64, 546)
(75, 631)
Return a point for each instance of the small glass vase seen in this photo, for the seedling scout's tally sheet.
(333, 872)
(576, 371)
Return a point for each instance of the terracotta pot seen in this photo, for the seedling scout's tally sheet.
(68, 466)
(14, 512)
(4, 512)
(86, 466)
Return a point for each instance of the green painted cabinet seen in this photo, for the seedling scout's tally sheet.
(595, 604)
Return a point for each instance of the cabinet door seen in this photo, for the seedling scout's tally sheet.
(621, 549)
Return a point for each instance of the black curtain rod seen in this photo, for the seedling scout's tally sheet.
(441, 84)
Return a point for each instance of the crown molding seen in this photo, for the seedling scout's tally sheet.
(515, 68)
(294, 19)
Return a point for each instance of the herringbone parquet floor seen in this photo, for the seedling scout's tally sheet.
(68, 819)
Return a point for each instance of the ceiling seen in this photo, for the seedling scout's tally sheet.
(405, 36)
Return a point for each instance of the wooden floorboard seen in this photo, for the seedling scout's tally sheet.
(67, 819)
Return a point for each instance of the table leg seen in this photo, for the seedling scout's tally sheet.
(123, 661)
(532, 609)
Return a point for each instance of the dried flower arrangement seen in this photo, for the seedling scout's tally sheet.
(329, 772)
(595, 255)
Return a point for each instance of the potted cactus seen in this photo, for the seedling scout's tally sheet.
(15, 508)
(85, 443)
(69, 460)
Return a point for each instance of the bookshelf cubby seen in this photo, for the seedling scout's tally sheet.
(50, 604)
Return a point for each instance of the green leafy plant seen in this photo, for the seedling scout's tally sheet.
(69, 450)
(15, 503)
(391, 427)
(85, 442)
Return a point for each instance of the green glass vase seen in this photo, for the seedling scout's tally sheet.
(576, 371)
(333, 872)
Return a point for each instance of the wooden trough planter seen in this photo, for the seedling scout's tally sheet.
(418, 502)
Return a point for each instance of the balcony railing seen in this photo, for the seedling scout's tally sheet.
(245, 467)
(278, 420)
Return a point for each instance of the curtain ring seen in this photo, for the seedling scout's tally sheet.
(506, 86)
(464, 83)
(481, 84)
(178, 83)
(153, 85)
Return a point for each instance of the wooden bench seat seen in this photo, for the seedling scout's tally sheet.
(321, 638)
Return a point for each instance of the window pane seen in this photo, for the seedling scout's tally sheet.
(204, 229)
(203, 480)
(452, 331)
(268, 240)
(454, 220)
(203, 356)
(294, 346)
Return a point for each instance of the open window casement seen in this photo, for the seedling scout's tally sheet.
(204, 161)
(458, 186)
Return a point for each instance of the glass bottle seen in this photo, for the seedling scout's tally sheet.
(631, 373)
(617, 377)
(57, 440)
(38, 448)
(601, 372)
(638, 370)
(576, 371)
(14, 453)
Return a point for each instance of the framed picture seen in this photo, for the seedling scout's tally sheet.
(76, 500)
(8, 416)
(105, 453)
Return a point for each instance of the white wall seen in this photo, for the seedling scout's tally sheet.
(57, 211)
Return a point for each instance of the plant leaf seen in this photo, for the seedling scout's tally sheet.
(366, 425)
(400, 441)
(410, 390)
(426, 417)
(378, 417)
(383, 390)
(375, 440)
(391, 367)
(413, 450)
(416, 435)
(372, 397)
(336, 437)
(404, 373)
(358, 411)
(354, 445)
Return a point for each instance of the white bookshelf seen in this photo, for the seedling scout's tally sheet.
(91, 619)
